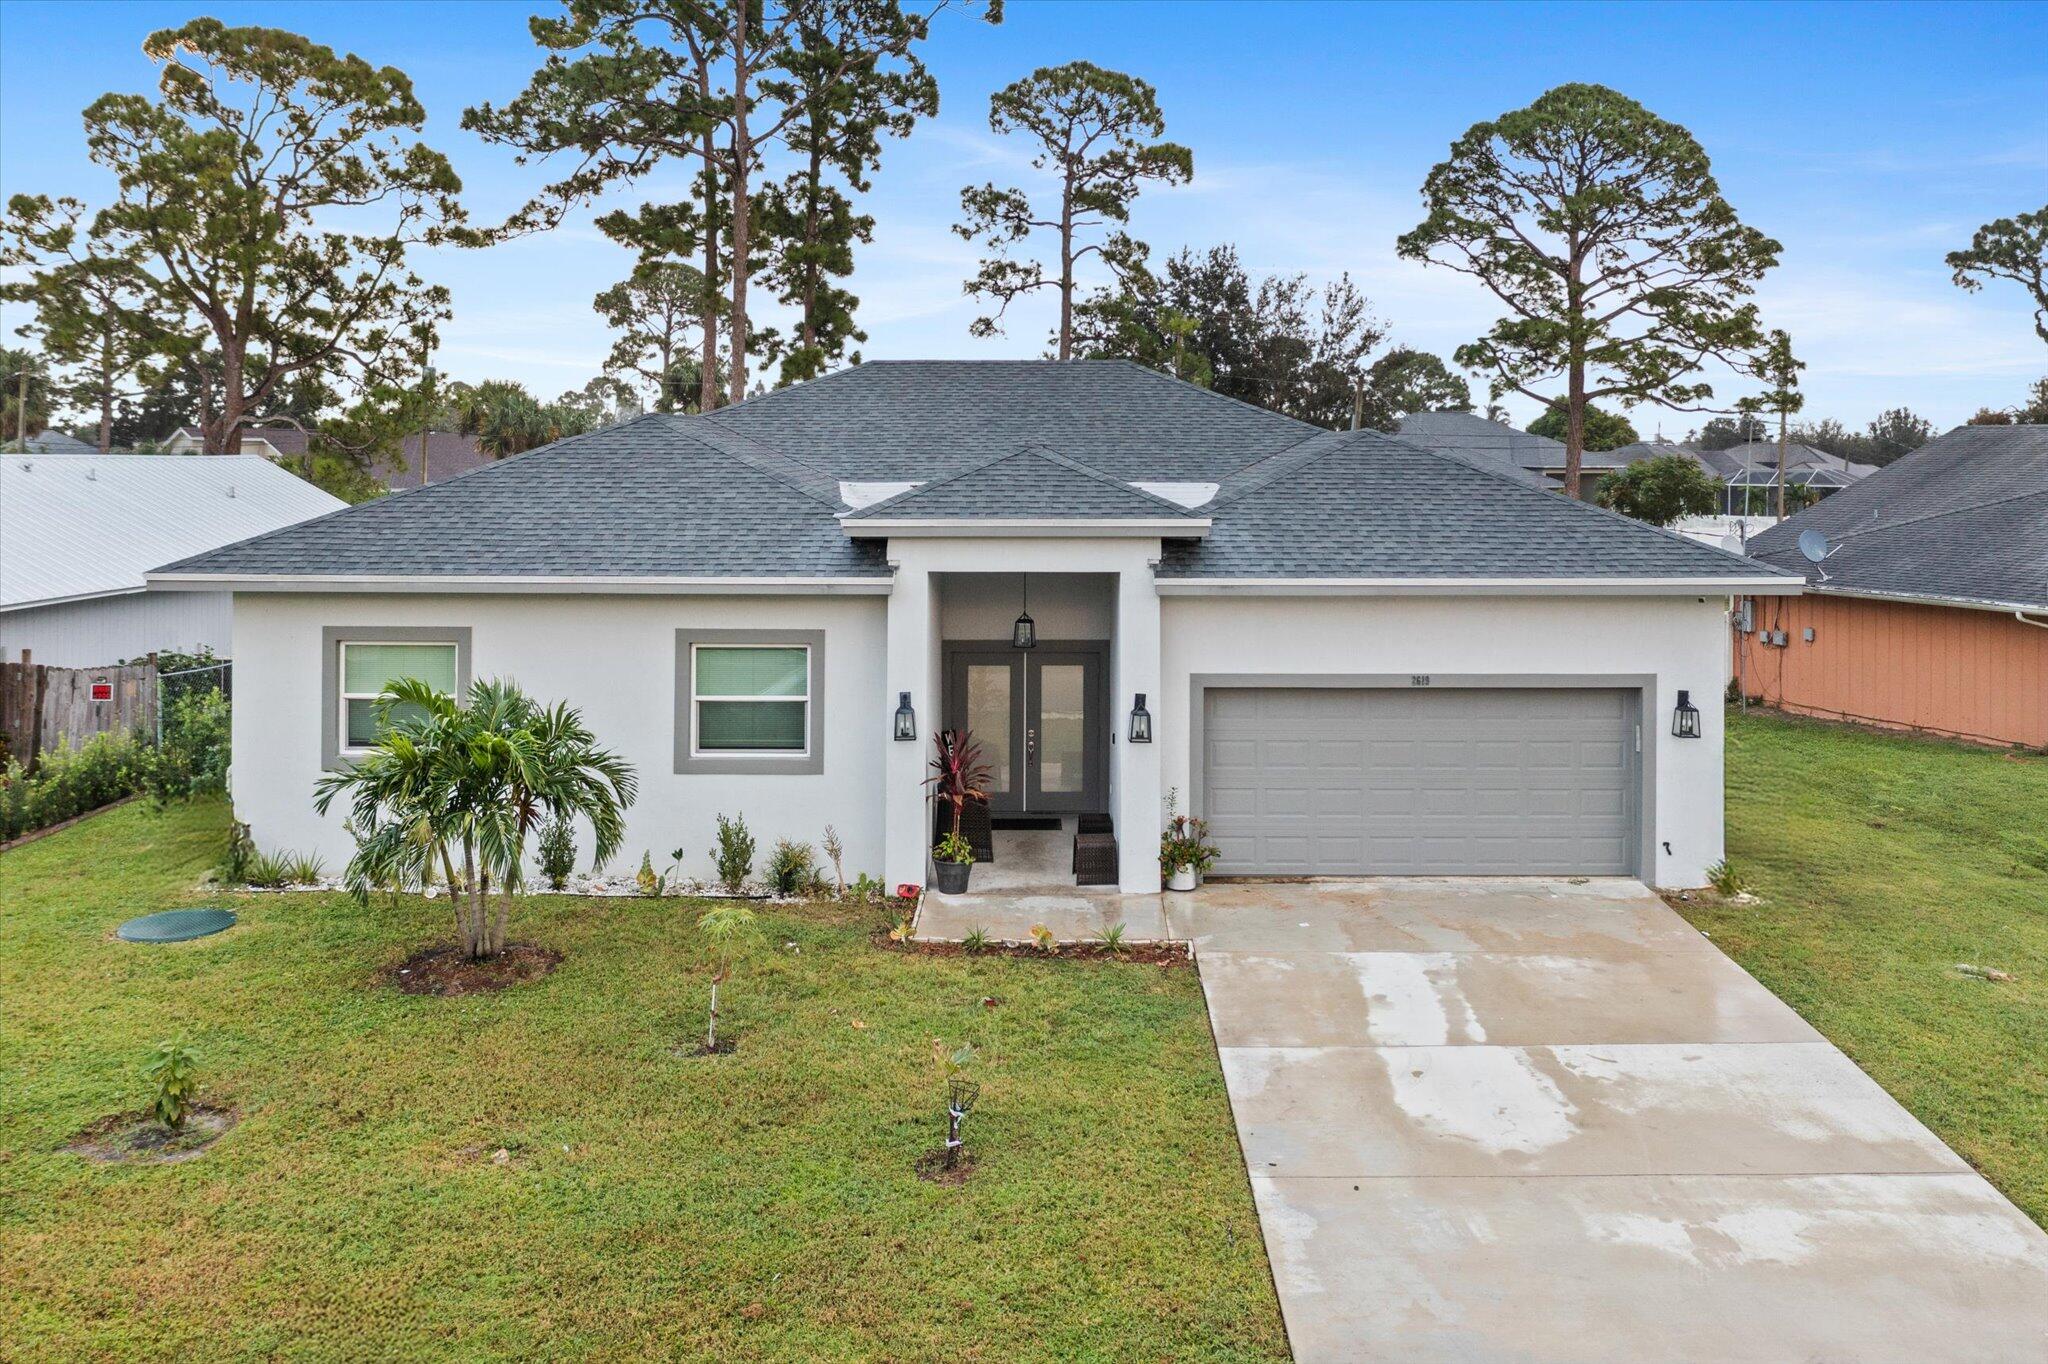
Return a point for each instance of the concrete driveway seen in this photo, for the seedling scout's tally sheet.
(1537, 1120)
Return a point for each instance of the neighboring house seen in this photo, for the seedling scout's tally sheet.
(1488, 443)
(52, 443)
(77, 533)
(271, 442)
(1749, 474)
(1931, 609)
(1341, 676)
(448, 453)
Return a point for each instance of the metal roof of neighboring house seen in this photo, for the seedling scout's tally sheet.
(1515, 453)
(756, 492)
(1964, 518)
(1477, 523)
(77, 526)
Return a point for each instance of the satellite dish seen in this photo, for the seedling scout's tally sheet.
(1814, 545)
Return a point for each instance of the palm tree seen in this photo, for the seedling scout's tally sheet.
(455, 789)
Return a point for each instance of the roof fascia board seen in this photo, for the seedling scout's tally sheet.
(1011, 528)
(1924, 599)
(467, 584)
(71, 600)
(1478, 587)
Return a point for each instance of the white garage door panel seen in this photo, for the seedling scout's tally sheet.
(1335, 782)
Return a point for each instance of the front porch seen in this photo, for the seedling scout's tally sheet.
(1052, 719)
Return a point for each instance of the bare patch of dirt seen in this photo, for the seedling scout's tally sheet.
(726, 1047)
(139, 1138)
(445, 971)
(1134, 954)
(931, 1167)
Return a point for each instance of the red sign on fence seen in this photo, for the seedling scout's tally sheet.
(102, 690)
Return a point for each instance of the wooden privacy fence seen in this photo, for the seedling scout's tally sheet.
(41, 707)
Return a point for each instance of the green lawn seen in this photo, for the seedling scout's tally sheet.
(753, 1206)
(1883, 863)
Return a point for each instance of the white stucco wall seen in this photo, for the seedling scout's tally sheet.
(612, 657)
(92, 634)
(1682, 641)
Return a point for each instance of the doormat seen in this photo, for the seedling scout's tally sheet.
(1023, 821)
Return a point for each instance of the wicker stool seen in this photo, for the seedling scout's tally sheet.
(1094, 860)
(974, 827)
(1097, 824)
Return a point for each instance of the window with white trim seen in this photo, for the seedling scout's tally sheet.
(750, 698)
(367, 667)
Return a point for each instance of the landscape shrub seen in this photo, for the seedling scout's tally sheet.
(557, 853)
(193, 757)
(792, 868)
(734, 854)
(69, 782)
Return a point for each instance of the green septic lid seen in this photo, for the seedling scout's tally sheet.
(176, 925)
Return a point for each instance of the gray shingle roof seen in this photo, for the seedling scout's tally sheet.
(647, 497)
(1962, 517)
(1029, 483)
(924, 419)
(1488, 443)
(1347, 508)
(753, 491)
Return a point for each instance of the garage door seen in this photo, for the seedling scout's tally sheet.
(1348, 782)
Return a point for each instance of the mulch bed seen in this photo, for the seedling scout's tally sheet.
(139, 1138)
(445, 971)
(1136, 954)
(931, 1167)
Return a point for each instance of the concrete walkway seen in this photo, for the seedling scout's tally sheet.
(1536, 1120)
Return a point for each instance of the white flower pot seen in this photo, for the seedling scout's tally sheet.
(1183, 878)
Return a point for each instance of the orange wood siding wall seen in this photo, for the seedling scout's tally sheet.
(1970, 674)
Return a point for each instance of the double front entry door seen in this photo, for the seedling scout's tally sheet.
(1038, 716)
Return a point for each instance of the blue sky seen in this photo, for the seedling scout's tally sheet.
(1869, 138)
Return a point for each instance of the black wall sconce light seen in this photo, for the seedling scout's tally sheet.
(1685, 720)
(1141, 722)
(906, 718)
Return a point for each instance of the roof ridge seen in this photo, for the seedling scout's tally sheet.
(1276, 465)
(679, 422)
(1934, 515)
(1037, 449)
(1503, 477)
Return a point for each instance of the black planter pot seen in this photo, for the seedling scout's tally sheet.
(951, 877)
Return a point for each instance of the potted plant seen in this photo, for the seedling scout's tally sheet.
(1185, 852)
(958, 775)
(952, 861)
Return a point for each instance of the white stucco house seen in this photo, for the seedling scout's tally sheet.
(78, 531)
(1343, 677)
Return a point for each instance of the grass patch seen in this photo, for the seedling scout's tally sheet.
(1883, 863)
(759, 1205)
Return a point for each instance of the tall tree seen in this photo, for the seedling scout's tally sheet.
(1280, 343)
(1778, 367)
(1602, 229)
(1722, 433)
(2032, 412)
(25, 395)
(1092, 128)
(228, 182)
(654, 310)
(845, 104)
(2015, 249)
(1403, 382)
(1600, 429)
(95, 317)
(716, 84)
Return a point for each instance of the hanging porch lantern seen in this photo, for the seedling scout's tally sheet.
(1024, 634)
